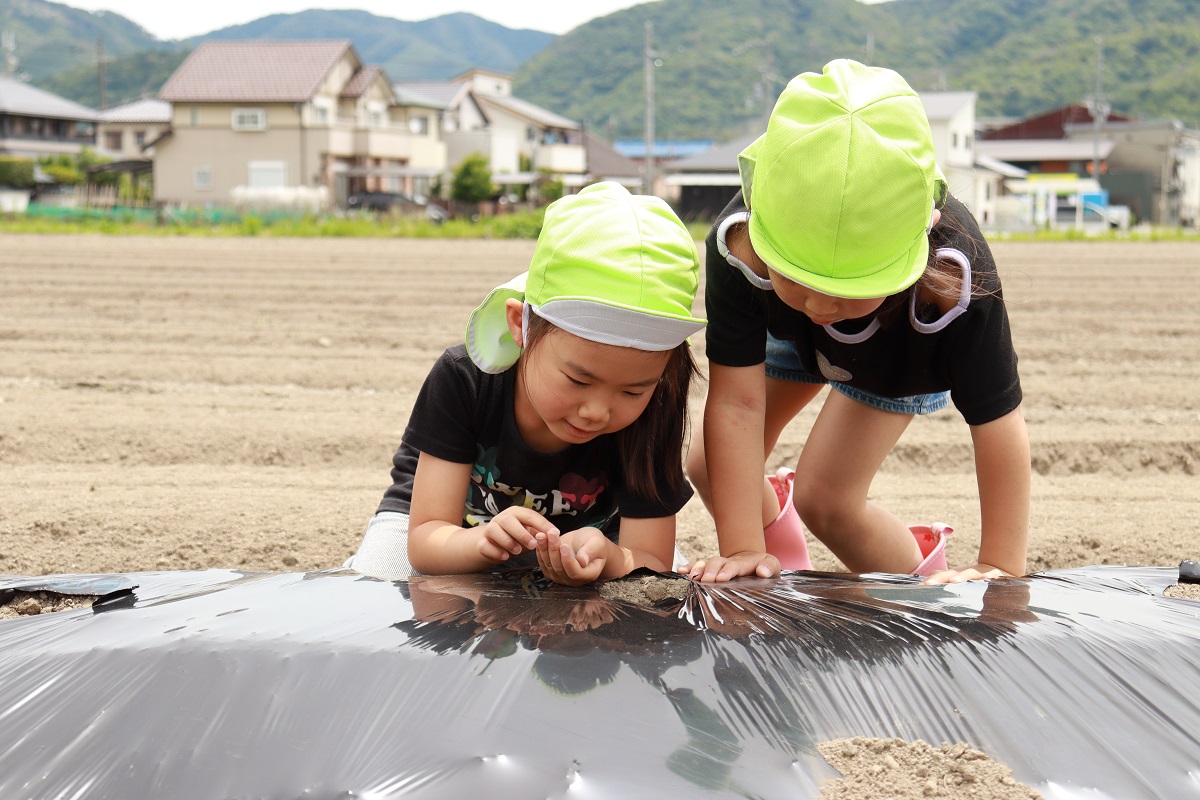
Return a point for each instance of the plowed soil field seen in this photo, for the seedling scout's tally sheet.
(182, 403)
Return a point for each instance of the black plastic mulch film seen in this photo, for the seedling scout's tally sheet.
(220, 684)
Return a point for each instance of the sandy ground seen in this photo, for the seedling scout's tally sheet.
(189, 403)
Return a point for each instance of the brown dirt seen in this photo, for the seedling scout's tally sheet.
(25, 604)
(182, 403)
(892, 769)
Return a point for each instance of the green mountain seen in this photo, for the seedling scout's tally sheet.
(432, 49)
(59, 47)
(1022, 57)
(127, 77)
(51, 37)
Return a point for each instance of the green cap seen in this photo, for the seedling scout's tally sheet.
(610, 267)
(841, 187)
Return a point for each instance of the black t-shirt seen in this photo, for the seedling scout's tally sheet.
(465, 415)
(967, 351)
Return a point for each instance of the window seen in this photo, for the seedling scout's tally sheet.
(139, 138)
(268, 174)
(376, 115)
(419, 126)
(194, 116)
(202, 179)
(113, 140)
(320, 115)
(249, 119)
(954, 139)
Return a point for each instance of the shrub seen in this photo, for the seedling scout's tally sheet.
(472, 182)
(16, 173)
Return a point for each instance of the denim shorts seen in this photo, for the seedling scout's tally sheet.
(783, 363)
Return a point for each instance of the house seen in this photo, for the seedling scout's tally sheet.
(606, 164)
(1151, 167)
(706, 182)
(123, 132)
(35, 123)
(269, 116)
(666, 152)
(977, 181)
(519, 139)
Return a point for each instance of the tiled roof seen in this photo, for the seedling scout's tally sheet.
(147, 109)
(605, 162)
(721, 157)
(358, 85)
(18, 97)
(254, 71)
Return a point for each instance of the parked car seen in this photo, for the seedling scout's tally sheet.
(395, 203)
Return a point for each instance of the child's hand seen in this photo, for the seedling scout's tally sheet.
(575, 558)
(722, 568)
(511, 532)
(978, 572)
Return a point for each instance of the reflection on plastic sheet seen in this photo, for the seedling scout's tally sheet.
(328, 684)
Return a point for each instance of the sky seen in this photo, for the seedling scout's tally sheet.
(179, 20)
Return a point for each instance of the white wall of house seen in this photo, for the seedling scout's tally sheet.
(485, 82)
(206, 158)
(499, 147)
(470, 118)
(1189, 170)
(983, 201)
(123, 141)
(954, 146)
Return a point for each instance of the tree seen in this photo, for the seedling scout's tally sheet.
(472, 182)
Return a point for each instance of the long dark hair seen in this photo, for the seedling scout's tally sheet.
(652, 445)
(942, 277)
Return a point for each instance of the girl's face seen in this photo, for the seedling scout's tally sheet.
(823, 309)
(571, 390)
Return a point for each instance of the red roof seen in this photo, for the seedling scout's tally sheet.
(1050, 125)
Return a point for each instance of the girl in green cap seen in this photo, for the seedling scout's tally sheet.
(844, 261)
(554, 435)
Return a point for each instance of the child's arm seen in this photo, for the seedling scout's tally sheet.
(733, 450)
(438, 544)
(1003, 474)
(587, 555)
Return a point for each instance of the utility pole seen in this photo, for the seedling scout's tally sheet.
(100, 66)
(767, 73)
(1098, 108)
(649, 57)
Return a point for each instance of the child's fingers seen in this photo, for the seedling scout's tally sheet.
(489, 549)
(532, 519)
(554, 552)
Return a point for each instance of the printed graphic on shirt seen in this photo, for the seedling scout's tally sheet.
(488, 495)
(829, 371)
